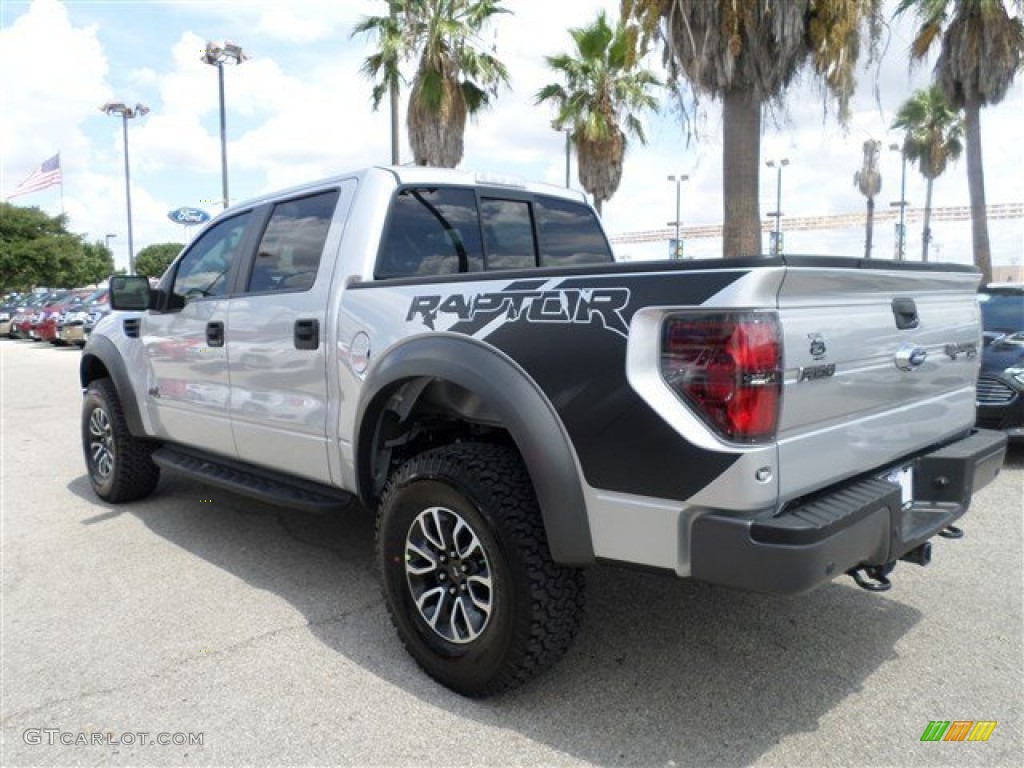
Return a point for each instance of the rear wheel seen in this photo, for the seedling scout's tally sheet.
(468, 578)
(120, 465)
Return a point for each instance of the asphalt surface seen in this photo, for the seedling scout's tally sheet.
(262, 633)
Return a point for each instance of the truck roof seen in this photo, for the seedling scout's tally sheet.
(418, 174)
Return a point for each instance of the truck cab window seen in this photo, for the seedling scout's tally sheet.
(202, 271)
(289, 253)
(508, 234)
(431, 231)
(569, 234)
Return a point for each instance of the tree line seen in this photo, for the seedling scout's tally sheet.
(744, 53)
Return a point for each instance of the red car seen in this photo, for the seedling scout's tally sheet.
(21, 323)
(44, 327)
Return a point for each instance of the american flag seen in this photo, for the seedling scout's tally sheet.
(46, 175)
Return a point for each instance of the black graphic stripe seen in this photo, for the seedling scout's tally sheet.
(623, 444)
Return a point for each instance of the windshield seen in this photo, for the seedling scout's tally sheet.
(1003, 312)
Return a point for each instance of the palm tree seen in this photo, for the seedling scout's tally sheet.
(980, 53)
(869, 181)
(932, 137)
(455, 77)
(746, 53)
(603, 89)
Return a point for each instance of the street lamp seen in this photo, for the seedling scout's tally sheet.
(678, 223)
(107, 238)
(126, 113)
(901, 232)
(568, 147)
(778, 165)
(215, 55)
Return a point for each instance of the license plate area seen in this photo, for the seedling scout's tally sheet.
(904, 478)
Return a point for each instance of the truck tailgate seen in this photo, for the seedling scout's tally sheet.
(879, 363)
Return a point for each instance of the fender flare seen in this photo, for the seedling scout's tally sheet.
(102, 352)
(516, 399)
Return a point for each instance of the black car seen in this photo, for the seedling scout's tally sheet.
(1001, 381)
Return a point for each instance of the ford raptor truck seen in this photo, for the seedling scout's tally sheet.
(462, 355)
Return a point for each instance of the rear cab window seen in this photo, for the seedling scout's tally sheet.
(438, 231)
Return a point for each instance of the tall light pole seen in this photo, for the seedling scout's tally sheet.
(107, 238)
(778, 165)
(215, 55)
(568, 153)
(393, 95)
(901, 232)
(568, 147)
(126, 113)
(678, 223)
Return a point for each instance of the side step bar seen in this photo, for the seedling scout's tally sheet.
(255, 482)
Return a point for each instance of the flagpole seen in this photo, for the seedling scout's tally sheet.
(61, 186)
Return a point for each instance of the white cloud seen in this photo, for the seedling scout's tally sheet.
(54, 74)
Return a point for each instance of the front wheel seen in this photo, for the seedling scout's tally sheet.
(468, 578)
(120, 465)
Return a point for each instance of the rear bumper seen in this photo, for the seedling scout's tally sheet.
(71, 332)
(861, 523)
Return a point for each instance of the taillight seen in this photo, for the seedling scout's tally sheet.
(728, 367)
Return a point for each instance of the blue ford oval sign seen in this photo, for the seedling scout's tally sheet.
(188, 216)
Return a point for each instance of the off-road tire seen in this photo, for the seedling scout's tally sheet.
(536, 605)
(120, 465)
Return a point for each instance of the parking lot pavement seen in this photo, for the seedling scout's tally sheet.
(242, 633)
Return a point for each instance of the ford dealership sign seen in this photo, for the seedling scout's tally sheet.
(188, 216)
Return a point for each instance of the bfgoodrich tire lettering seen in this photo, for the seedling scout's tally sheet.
(120, 465)
(501, 610)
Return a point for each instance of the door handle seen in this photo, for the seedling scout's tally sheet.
(905, 312)
(307, 334)
(215, 334)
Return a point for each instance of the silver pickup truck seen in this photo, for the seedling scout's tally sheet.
(462, 355)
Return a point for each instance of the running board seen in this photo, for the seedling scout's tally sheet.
(256, 482)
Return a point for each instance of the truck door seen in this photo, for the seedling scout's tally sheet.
(277, 337)
(187, 374)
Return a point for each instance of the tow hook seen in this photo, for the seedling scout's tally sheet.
(951, 532)
(878, 573)
(875, 578)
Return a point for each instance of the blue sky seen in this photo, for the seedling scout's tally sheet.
(299, 110)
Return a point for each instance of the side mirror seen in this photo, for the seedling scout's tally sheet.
(129, 292)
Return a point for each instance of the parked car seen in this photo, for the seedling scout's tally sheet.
(21, 323)
(1001, 379)
(8, 309)
(96, 313)
(46, 329)
(52, 303)
(17, 319)
(71, 323)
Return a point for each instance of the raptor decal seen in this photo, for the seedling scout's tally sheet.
(566, 305)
